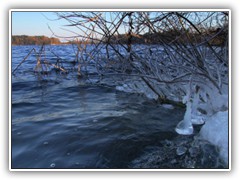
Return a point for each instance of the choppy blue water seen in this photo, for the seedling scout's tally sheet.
(60, 122)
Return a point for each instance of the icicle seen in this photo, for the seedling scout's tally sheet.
(196, 118)
(185, 127)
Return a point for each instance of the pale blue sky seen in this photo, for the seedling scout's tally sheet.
(36, 23)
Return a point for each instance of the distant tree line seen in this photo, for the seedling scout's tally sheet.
(147, 38)
(34, 40)
(170, 36)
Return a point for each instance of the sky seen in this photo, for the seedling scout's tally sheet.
(37, 23)
(31, 23)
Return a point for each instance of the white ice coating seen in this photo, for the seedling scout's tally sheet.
(196, 117)
(215, 130)
(137, 87)
(185, 127)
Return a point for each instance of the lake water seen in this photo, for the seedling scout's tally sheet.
(59, 121)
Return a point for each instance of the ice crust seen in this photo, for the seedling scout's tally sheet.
(215, 130)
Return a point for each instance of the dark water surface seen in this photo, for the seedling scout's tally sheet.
(60, 122)
(85, 127)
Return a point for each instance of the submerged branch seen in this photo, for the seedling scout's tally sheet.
(24, 59)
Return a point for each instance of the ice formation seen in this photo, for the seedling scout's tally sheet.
(137, 87)
(185, 126)
(168, 106)
(196, 117)
(215, 130)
